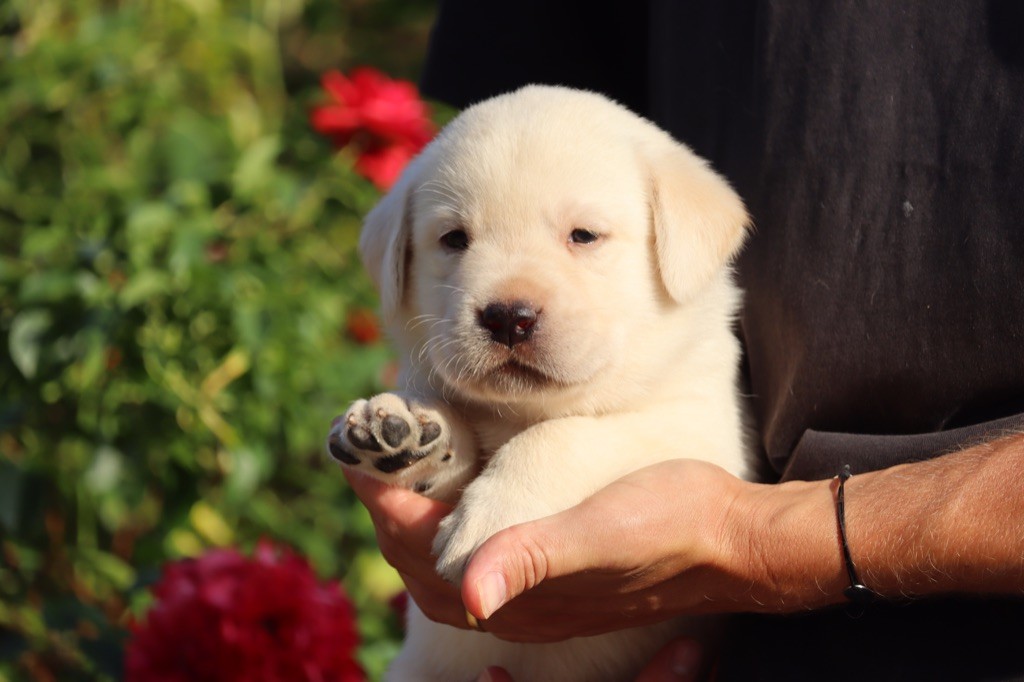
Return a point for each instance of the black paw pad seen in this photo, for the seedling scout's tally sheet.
(394, 430)
(339, 453)
(430, 432)
(399, 460)
(363, 439)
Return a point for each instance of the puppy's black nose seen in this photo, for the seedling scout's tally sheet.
(509, 323)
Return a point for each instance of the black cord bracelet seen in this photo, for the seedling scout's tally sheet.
(857, 592)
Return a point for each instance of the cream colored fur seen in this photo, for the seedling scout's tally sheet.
(632, 360)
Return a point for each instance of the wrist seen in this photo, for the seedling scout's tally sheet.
(786, 548)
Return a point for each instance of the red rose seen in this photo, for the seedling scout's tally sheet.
(363, 326)
(384, 119)
(226, 617)
(383, 165)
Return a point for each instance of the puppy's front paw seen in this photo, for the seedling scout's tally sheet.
(488, 505)
(388, 435)
(457, 538)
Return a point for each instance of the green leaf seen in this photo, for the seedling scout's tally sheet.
(144, 286)
(196, 147)
(247, 468)
(255, 170)
(47, 285)
(209, 523)
(25, 342)
(105, 471)
(147, 230)
(108, 566)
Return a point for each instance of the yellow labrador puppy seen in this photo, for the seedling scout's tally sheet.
(555, 272)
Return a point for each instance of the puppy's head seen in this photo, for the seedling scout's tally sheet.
(543, 240)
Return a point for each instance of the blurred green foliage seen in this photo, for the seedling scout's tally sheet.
(177, 268)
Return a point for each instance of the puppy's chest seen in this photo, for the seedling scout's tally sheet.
(493, 432)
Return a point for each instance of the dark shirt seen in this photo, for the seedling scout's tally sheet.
(879, 146)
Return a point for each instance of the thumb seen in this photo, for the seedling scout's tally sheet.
(521, 557)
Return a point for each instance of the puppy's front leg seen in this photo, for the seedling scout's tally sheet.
(406, 440)
(557, 464)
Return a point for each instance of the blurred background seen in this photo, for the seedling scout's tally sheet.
(182, 310)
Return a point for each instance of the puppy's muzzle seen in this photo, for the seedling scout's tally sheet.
(509, 323)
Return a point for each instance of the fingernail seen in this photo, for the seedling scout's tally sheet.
(685, 659)
(485, 676)
(493, 592)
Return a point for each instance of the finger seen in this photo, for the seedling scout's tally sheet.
(406, 524)
(678, 661)
(397, 511)
(494, 674)
(438, 602)
(406, 556)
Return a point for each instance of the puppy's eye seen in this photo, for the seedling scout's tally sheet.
(581, 236)
(456, 240)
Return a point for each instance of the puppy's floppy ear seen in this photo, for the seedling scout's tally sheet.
(699, 221)
(385, 242)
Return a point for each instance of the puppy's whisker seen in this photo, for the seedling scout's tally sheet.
(432, 346)
(431, 382)
(420, 320)
(453, 358)
(437, 322)
(447, 343)
(454, 288)
(429, 345)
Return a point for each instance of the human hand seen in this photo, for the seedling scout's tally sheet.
(659, 542)
(406, 524)
(683, 536)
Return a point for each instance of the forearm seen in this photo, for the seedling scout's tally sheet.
(952, 524)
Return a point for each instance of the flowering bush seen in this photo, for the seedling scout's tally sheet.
(225, 617)
(384, 120)
(182, 308)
